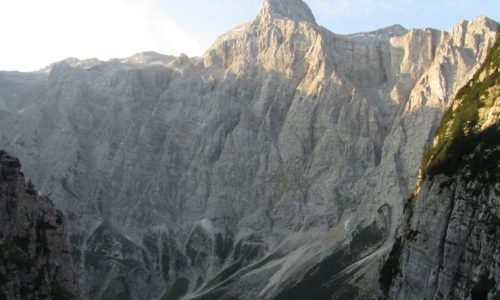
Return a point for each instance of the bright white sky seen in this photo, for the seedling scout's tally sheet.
(35, 33)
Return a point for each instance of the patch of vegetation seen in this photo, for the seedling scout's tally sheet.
(223, 245)
(460, 149)
(314, 283)
(197, 247)
(482, 288)
(391, 267)
(3, 278)
(412, 235)
(323, 280)
(118, 288)
(179, 289)
(150, 242)
(19, 257)
(93, 259)
(58, 292)
(457, 135)
(348, 292)
(180, 261)
(225, 274)
(367, 238)
(40, 277)
(25, 291)
(165, 265)
(42, 246)
(21, 242)
(408, 210)
(30, 188)
(217, 294)
(66, 187)
(130, 263)
(44, 225)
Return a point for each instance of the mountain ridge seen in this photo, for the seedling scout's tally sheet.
(295, 10)
(268, 157)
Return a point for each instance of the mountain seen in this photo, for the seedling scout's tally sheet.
(272, 167)
(385, 33)
(448, 246)
(295, 10)
(35, 260)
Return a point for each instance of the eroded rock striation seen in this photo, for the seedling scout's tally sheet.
(271, 167)
(35, 257)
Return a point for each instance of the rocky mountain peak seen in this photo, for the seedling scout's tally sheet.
(148, 57)
(383, 33)
(296, 10)
(262, 170)
(477, 24)
(395, 29)
(485, 21)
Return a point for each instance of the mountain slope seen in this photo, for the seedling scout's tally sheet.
(449, 246)
(35, 261)
(282, 148)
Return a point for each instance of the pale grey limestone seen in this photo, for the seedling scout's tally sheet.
(262, 157)
(454, 241)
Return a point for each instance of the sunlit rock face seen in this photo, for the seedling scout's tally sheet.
(273, 165)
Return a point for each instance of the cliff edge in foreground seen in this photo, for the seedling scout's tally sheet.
(35, 261)
(449, 247)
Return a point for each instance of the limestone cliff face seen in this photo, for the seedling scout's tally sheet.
(451, 250)
(285, 149)
(35, 260)
(448, 246)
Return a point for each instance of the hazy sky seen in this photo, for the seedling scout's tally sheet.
(35, 33)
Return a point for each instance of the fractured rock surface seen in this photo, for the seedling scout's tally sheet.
(283, 149)
(35, 256)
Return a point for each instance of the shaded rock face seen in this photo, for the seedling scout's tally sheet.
(451, 247)
(35, 260)
(284, 148)
(448, 245)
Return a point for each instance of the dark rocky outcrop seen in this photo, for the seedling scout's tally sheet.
(35, 261)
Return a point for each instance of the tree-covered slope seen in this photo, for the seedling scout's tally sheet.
(472, 121)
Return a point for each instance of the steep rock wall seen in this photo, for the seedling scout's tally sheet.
(448, 246)
(282, 146)
(35, 257)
